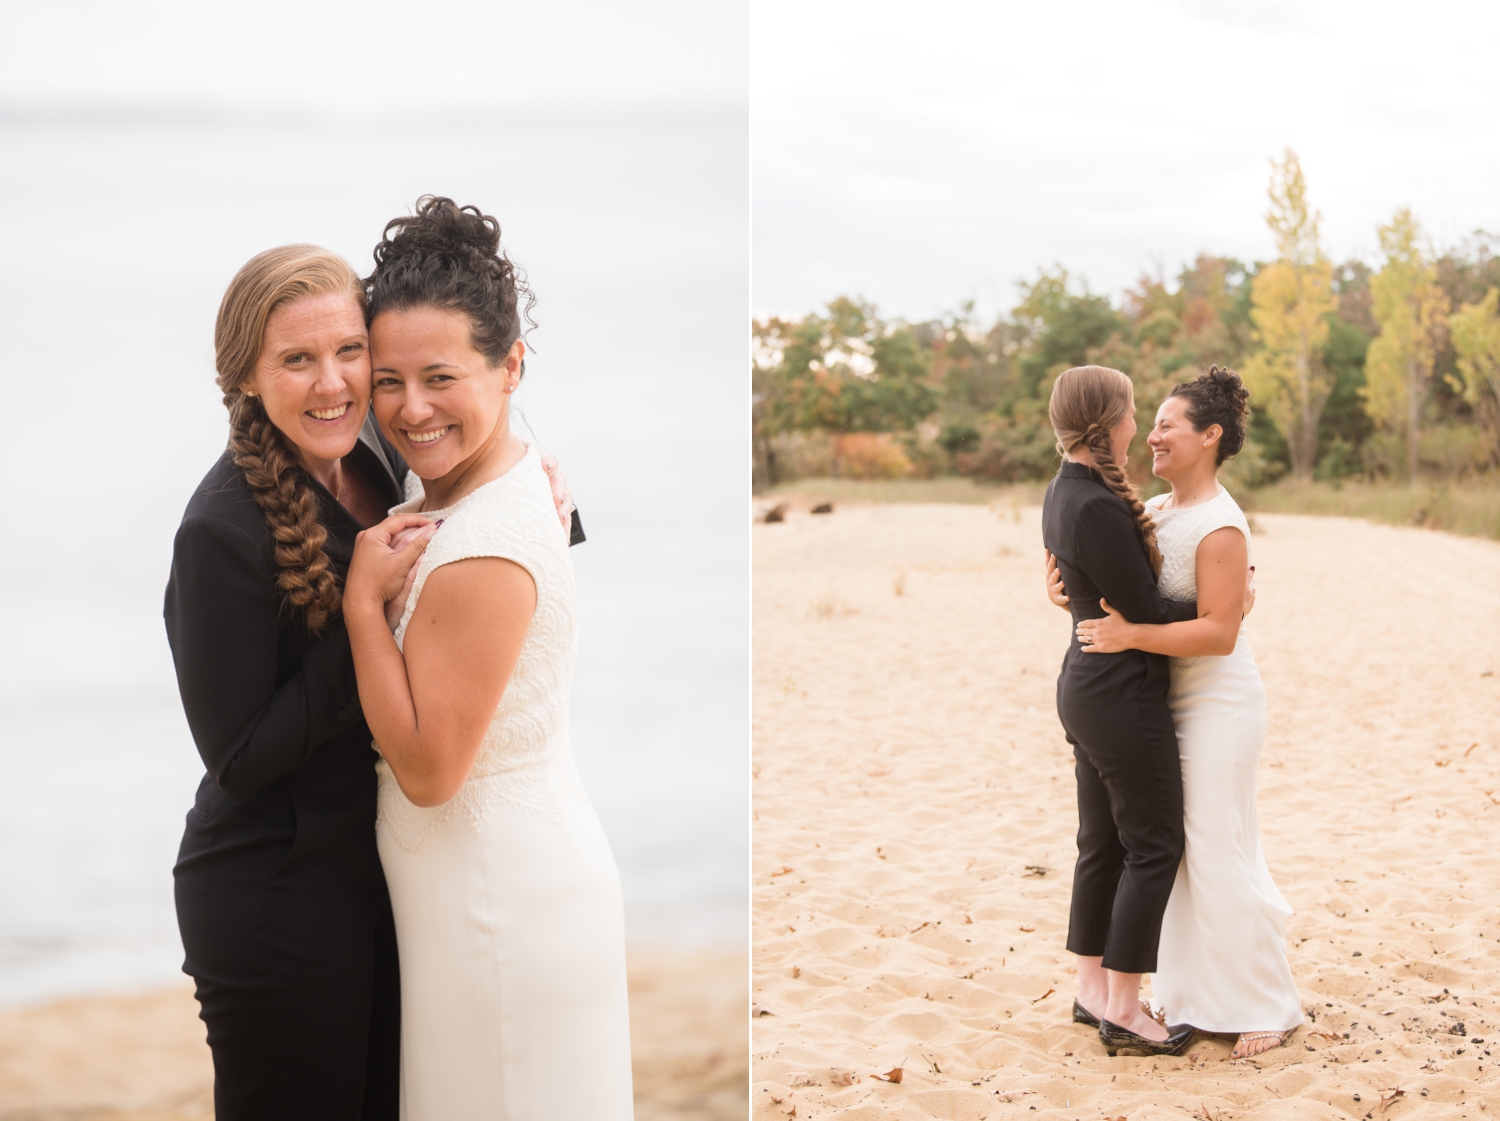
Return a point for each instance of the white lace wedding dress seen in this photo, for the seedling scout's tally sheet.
(507, 900)
(1222, 965)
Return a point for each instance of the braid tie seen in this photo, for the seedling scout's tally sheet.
(290, 507)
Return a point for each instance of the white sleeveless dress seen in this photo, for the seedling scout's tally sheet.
(1222, 965)
(507, 901)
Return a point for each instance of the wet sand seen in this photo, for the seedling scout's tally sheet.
(142, 1057)
(914, 820)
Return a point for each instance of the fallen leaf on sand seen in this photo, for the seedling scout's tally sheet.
(1044, 996)
(1386, 1100)
(1011, 1095)
(1035, 872)
(1205, 1112)
(775, 1100)
(1028, 930)
(892, 1075)
(757, 1010)
(968, 920)
(800, 1078)
(783, 872)
(840, 1076)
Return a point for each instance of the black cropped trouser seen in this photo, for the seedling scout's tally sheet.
(1130, 834)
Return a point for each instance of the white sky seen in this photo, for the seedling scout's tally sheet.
(338, 56)
(921, 155)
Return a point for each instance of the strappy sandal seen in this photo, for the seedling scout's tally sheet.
(1245, 1036)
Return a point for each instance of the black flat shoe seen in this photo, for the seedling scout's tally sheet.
(1115, 1038)
(1082, 1015)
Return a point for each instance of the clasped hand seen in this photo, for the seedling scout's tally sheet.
(384, 566)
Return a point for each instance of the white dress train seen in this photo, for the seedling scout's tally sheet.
(507, 902)
(1222, 964)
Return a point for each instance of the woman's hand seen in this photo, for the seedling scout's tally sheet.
(1109, 635)
(385, 562)
(560, 496)
(1055, 590)
(395, 608)
(1249, 592)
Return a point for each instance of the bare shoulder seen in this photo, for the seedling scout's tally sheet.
(1227, 542)
(476, 587)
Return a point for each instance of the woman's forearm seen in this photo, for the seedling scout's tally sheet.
(384, 691)
(1207, 636)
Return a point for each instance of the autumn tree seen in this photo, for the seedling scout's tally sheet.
(1475, 331)
(843, 372)
(1291, 301)
(1411, 311)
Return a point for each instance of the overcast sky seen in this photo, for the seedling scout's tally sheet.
(921, 155)
(373, 56)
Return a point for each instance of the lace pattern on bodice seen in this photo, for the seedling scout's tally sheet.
(1178, 535)
(525, 759)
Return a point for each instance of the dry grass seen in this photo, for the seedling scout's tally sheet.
(1471, 509)
(946, 491)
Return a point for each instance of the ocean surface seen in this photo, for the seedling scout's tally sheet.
(117, 238)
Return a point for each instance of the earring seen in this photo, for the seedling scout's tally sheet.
(510, 389)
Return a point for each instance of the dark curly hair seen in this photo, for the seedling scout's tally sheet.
(1217, 397)
(449, 256)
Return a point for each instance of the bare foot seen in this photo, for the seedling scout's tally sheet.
(1254, 1042)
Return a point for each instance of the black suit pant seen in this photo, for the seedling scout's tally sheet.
(1130, 834)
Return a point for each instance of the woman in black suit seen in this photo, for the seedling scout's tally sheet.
(1114, 711)
(281, 900)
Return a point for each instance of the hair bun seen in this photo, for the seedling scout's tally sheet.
(1218, 397)
(442, 229)
(449, 256)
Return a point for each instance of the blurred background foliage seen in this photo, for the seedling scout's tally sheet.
(1363, 374)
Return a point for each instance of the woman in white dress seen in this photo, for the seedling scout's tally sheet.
(1223, 963)
(507, 902)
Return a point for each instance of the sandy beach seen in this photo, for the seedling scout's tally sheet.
(914, 819)
(142, 1057)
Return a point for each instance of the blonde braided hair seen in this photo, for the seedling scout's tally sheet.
(281, 487)
(1087, 402)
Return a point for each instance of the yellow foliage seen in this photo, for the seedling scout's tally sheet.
(1291, 300)
(1411, 310)
(1475, 330)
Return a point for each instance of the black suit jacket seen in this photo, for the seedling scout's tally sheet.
(264, 698)
(1090, 531)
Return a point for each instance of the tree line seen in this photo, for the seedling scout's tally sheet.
(1385, 369)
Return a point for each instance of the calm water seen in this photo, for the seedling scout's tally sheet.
(118, 241)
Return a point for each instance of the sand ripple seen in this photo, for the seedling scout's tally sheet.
(914, 822)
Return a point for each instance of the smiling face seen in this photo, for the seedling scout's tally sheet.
(437, 399)
(1177, 449)
(313, 375)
